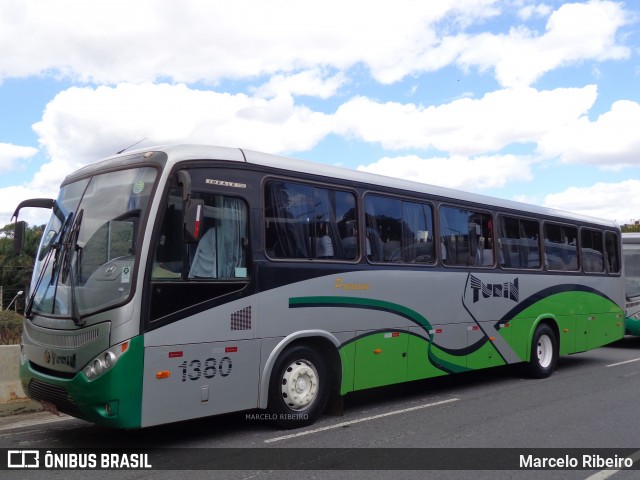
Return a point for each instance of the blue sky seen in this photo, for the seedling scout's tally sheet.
(519, 99)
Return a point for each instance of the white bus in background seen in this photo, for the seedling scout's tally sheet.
(631, 260)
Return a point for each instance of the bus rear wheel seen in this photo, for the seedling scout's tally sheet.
(298, 388)
(544, 352)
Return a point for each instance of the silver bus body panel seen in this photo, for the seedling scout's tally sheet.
(444, 299)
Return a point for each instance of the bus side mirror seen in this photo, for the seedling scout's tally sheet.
(18, 237)
(193, 214)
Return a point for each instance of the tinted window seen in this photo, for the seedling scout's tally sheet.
(466, 237)
(398, 231)
(561, 247)
(592, 250)
(612, 251)
(221, 251)
(519, 243)
(304, 221)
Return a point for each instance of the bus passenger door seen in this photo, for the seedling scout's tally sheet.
(380, 358)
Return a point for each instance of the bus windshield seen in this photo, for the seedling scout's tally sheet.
(88, 251)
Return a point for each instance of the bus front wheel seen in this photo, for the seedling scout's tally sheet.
(299, 387)
(544, 352)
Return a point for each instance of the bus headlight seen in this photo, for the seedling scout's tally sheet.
(636, 316)
(109, 359)
(105, 361)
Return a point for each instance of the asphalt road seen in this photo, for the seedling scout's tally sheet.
(590, 402)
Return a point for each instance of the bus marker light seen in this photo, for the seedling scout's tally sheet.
(124, 347)
(196, 229)
(566, 330)
(438, 330)
(377, 351)
(163, 374)
(175, 354)
(492, 338)
(230, 349)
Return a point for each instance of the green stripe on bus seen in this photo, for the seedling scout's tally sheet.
(365, 303)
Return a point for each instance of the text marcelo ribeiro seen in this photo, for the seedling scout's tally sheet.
(568, 461)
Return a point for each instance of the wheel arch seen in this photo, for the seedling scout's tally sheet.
(321, 340)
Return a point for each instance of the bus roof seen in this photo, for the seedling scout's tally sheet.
(179, 153)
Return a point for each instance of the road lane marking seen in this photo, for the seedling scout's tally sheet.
(360, 420)
(603, 474)
(622, 363)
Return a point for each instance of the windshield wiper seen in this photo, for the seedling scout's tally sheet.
(56, 247)
(45, 264)
(68, 270)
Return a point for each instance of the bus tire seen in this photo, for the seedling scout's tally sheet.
(544, 352)
(299, 387)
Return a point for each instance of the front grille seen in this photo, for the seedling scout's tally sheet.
(53, 394)
(62, 339)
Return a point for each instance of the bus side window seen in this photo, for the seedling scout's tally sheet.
(467, 237)
(308, 222)
(518, 242)
(612, 252)
(168, 256)
(222, 249)
(398, 231)
(591, 250)
(561, 247)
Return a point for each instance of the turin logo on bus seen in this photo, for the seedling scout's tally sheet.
(494, 290)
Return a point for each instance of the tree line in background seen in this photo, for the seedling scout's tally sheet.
(15, 270)
(15, 276)
(630, 228)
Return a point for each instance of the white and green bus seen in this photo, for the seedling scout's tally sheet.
(187, 281)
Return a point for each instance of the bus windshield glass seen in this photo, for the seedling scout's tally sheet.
(88, 251)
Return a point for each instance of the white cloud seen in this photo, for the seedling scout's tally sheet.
(202, 40)
(611, 141)
(10, 197)
(11, 154)
(199, 40)
(310, 82)
(575, 32)
(613, 201)
(540, 10)
(465, 126)
(471, 174)
(81, 125)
